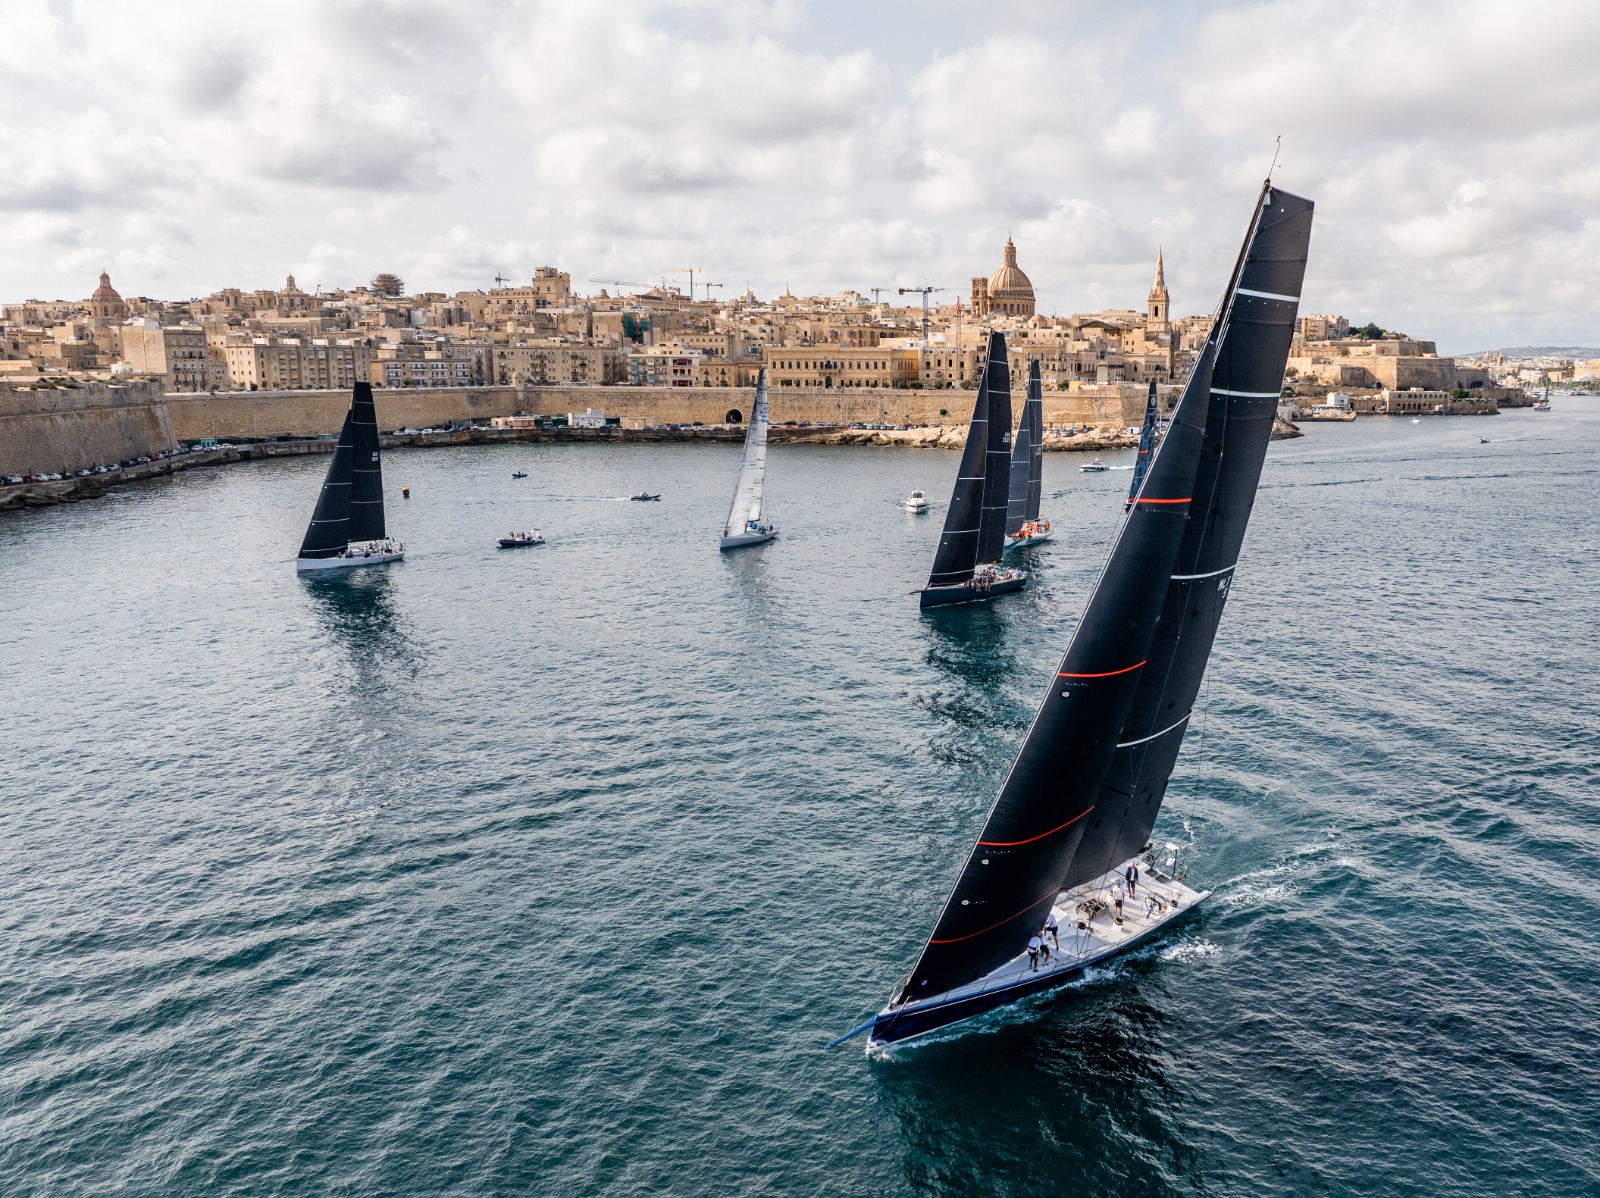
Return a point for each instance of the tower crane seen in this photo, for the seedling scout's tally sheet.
(708, 287)
(876, 292)
(691, 271)
(924, 292)
(622, 283)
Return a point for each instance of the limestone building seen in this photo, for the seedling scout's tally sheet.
(105, 304)
(1007, 292)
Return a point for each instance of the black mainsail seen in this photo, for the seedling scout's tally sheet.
(997, 458)
(972, 523)
(1027, 457)
(1147, 445)
(1252, 349)
(350, 507)
(1144, 635)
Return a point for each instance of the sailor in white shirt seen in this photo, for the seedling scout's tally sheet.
(1053, 929)
(1034, 945)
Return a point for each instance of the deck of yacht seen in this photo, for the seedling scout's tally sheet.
(1088, 930)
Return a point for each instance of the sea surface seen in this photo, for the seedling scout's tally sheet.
(552, 871)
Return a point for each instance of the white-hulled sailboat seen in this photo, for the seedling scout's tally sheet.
(347, 529)
(1076, 813)
(745, 525)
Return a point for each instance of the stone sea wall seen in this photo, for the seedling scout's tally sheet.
(310, 413)
(74, 428)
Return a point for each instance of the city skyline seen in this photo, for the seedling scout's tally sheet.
(778, 145)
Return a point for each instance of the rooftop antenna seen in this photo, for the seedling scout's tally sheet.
(1277, 149)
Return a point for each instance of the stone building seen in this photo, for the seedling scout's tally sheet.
(105, 304)
(177, 354)
(295, 363)
(1007, 292)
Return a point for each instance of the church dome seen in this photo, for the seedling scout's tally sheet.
(1009, 283)
(105, 291)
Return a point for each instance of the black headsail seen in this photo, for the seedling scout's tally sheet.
(329, 530)
(1252, 336)
(366, 488)
(957, 554)
(997, 468)
(1147, 445)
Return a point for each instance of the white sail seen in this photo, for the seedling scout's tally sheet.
(752, 466)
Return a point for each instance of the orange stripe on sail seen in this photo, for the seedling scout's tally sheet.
(1007, 844)
(1107, 674)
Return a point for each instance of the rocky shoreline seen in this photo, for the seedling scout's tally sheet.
(954, 436)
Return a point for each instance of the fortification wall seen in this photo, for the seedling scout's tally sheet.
(74, 428)
(311, 413)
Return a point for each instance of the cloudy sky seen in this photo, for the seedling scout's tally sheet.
(1453, 149)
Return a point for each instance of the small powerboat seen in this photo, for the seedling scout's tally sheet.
(519, 474)
(644, 497)
(1032, 532)
(1416, 420)
(519, 540)
(916, 502)
(1095, 467)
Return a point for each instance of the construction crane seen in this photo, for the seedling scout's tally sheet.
(691, 271)
(924, 292)
(500, 280)
(876, 292)
(708, 287)
(622, 283)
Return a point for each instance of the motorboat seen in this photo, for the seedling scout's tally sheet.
(520, 540)
(644, 497)
(519, 474)
(1094, 467)
(916, 502)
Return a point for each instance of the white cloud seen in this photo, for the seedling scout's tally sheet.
(1450, 147)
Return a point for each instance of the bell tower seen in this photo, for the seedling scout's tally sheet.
(1158, 306)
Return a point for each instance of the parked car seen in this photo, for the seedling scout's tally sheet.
(13, 479)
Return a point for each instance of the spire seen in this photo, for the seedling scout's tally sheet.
(1161, 277)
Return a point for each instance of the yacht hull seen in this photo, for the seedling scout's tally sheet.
(948, 596)
(745, 538)
(1083, 947)
(304, 565)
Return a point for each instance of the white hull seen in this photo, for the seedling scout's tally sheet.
(304, 564)
(740, 540)
(1024, 541)
(1100, 937)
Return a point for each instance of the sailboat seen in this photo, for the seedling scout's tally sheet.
(966, 566)
(346, 529)
(1076, 812)
(745, 525)
(1023, 525)
(1147, 446)
(1544, 403)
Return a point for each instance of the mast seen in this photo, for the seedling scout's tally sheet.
(366, 479)
(997, 456)
(1147, 444)
(1053, 794)
(1252, 340)
(1033, 417)
(957, 554)
(748, 490)
(329, 530)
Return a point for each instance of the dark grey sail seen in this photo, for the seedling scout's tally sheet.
(1017, 499)
(1027, 842)
(366, 483)
(1033, 417)
(1027, 457)
(1147, 445)
(997, 459)
(1252, 339)
(957, 555)
(329, 530)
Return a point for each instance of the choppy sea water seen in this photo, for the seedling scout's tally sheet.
(551, 871)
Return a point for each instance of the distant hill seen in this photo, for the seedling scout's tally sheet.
(1581, 352)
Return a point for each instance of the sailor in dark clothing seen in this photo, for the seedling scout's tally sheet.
(1132, 878)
